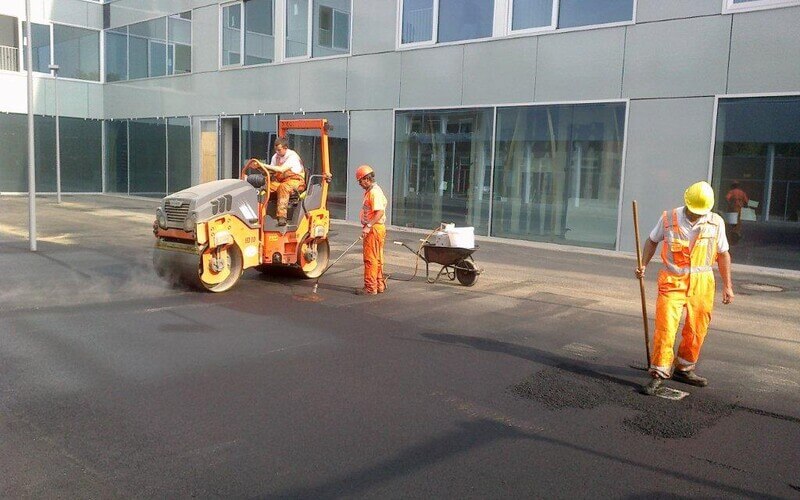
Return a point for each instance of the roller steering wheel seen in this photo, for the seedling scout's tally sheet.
(253, 164)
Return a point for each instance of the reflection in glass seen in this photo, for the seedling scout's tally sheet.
(307, 145)
(179, 50)
(116, 156)
(527, 14)
(179, 154)
(465, 19)
(417, 21)
(331, 27)
(442, 168)
(77, 52)
(574, 13)
(557, 173)
(296, 28)
(231, 34)
(259, 38)
(258, 135)
(758, 149)
(116, 56)
(40, 48)
(148, 157)
(137, 57)
(81, 155)
(14, 145)
(158, 58)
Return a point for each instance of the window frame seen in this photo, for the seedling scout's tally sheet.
(434, 28)
(309, 32)
(222, 8)
(50, 24)
(728, 7)
(333, 45)
(525, 31)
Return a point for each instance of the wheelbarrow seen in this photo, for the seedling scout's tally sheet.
(457, 263)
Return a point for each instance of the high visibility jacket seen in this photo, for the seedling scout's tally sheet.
(687, 266)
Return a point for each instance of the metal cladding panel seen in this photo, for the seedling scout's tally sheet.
(431, 77)
(205, 39)
(94, 107)
(667, 149)
(64, 11)
(580, 65)
(500, 72)
(371, 142)
(323, 85)
(373, 81)
(136, 99)
(765, 51)
(374, 26)
(660, 10)
(133, 11)
(681, 58)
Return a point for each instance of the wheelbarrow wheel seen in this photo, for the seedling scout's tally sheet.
(466, 273)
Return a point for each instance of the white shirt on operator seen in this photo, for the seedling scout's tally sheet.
(289, 159)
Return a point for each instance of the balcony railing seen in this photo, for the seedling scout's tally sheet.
(8, 58)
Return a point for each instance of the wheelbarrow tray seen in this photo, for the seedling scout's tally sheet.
(446, 256)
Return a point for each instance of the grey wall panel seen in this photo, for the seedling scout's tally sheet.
(371, 142)
(500, 72)
(374, 26)
(373, 81)
(94, 106)
(765, 51)
(580, 65)
(659, 10)
(137, 99)
(431, 77)
(65, 11)
(205, 39)
(668, 149)
(323, 85)
(95, 17)
(677, 58)
(132, 11)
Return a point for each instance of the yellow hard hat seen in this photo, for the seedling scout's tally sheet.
(699, 198)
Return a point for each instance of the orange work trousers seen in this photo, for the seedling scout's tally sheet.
(373, 259)
(695, 293)
(284, 189)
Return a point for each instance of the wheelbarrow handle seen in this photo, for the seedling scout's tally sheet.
(415, 252)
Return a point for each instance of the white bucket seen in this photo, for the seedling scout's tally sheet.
(462, 237)
(731, 217)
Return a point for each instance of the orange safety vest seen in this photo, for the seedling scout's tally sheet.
(686, 265)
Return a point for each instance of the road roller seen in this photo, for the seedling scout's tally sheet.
(207, 235)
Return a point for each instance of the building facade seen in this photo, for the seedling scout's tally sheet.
(528, 119)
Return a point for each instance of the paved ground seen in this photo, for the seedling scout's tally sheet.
(114, 385)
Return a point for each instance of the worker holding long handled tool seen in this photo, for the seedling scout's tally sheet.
(693, 239)
(373, 230)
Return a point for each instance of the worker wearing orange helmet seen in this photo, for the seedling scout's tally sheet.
(693, 239)
(373, 231)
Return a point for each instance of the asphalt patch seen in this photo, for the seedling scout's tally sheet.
(560, 387)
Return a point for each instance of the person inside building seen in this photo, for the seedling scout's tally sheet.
(289, 176)
(373, 231)
(736, 198)
(693, 239)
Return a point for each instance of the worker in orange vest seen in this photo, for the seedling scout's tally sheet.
(373, 231)
(693, 239)
(289, 176)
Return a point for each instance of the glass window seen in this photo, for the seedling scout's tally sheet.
(332, 27)
(258, 135)
(9, 44)
(758, 4)
(158, 58)
(116, 156)
(14, 145)
(137, 57)
(77, 52)
(528, 14)
(442, 168)
(465, 19)
(179, 154)
(259, 35)
(417, 21)
(116, 56)
(296, 28)
(756, 177)
(81, 155)
(44, 137)
(574, 13)
(231, 34)
(148, 157)
(179, 50)
(306, 143)
(557, 173)
(40, 48)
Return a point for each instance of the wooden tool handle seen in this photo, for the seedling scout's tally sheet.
(641, 282)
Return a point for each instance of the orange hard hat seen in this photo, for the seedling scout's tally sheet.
(362, 171)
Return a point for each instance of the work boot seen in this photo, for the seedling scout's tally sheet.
(651, 387)
(689, 377)
(364, 291)
(281, 221)
(382, 285)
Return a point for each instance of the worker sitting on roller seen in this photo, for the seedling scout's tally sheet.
(289, 176)
(693, 239)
